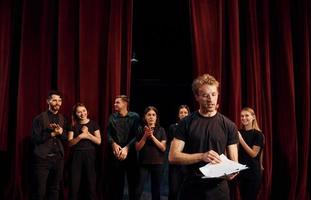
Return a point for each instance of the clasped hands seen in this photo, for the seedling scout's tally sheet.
(56, 129)
(85, 133)
(148, 132)
(119, 152)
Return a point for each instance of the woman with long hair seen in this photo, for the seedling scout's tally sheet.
(83, 137)
(151, 145)
(174, 172)
(250, 153)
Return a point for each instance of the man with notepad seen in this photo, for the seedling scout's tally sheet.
(200, 139)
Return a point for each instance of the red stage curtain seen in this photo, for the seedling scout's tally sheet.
(81, 48)
(260, 51)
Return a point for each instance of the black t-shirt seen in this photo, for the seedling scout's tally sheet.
(150, 153)
(84, 144)
(171, 133)
(251, 137)
(202, 134)
(123, 129)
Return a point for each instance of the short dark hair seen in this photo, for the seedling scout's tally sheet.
(124, 98)
(54, 92)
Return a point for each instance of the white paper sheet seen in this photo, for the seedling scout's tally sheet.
(221, 169)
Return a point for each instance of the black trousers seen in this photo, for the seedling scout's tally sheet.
(47, 176)
(249, 188)
(204, 189)
(175, 179)
(82, 167)
(118, 171)
(155, 172)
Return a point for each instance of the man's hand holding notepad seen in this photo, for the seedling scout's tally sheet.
(222, 169)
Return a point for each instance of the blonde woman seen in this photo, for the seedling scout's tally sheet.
(250, 152)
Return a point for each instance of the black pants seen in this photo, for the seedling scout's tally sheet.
(155, 172)
(201, 189)
(118, 170)
(47, 176)
(249, 188)
(175, 179)
(83, 168)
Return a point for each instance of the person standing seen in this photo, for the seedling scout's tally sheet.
(122, 130)
(250, 154)
(151, 145)
(48, 129)
(83, 137)
(175, 172)
(201, 138)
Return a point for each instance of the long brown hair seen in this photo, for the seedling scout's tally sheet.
(74, 118)
(157, 113)
(254, 123)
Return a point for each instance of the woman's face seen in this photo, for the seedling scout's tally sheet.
(151, 118)
(246, 118)
(183, 112)
(81, 113)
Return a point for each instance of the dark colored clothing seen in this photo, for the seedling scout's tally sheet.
(47, 176)
(123, 130)
(84, 144)
(198, 189)
(151, 160)
(150, 153)
(250, 179)
(200, 135)
(48, 156)
(175, 175)
(83, 162)
(83, 168)
(118, 170)
(171, 133)
(44, 143)
(156, 172)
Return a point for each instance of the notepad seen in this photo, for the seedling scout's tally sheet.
(224, 168)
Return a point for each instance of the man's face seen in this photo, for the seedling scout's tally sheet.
(54, 103)
(207, 97)
(119, 105)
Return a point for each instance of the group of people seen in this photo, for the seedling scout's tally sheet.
(137, 149)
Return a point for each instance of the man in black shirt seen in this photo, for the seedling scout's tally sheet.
(201, 138)
(122, 129)
(47, 132)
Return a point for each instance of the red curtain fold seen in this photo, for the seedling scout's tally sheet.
(5, 55)
(265, 64)
(81, 48)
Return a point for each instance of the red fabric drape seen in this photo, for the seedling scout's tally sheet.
(5, 55)
(260, 52)
(82, 48)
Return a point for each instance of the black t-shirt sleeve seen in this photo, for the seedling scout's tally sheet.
(96, 126)
(140, 133)
(259, 139)
(233, 137)
(162, 134)
(180, 130)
